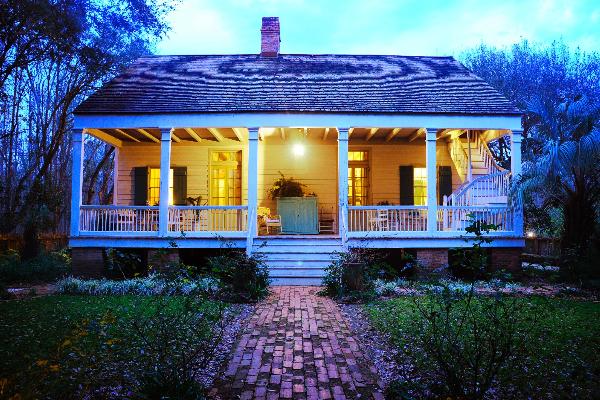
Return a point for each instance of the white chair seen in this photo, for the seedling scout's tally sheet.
(380, 222)
(326, 220)
(273, 221)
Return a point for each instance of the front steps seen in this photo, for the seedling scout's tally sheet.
(297, 260)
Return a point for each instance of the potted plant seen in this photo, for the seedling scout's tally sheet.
(286, 187)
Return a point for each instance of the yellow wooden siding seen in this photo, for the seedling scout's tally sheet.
(317, 168)
(385, 167)
(193, 156)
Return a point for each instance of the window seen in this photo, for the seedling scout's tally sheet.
(358, 178)
(226, 178)
(358, 156)
(154, 186)
(420, 186)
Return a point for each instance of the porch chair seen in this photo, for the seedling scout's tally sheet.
(269, 221)
(326, 219)
(380, 221)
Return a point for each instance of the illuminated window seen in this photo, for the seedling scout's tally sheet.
(226, 178)
(420, 186)
(154, 187)
(358, 178)
(358, 156)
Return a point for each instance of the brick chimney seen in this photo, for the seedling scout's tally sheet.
(269, 43)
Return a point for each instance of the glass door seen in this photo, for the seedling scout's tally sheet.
(225, 189)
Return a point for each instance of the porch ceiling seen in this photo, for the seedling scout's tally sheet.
(179, 135)
(118, 137)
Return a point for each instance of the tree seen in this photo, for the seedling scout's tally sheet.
(558, 91)
(567, 172)
(53, 54)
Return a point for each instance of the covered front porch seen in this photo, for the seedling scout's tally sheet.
(369, 183)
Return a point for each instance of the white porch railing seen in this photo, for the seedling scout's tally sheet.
(414, 218)
(208, 218)
(94, 218)
(387, 218)
(456, 218)
(481, 190)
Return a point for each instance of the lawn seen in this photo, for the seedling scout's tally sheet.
(47, 343)
(562, 350)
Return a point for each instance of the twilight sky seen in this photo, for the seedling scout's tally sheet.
(411, 27)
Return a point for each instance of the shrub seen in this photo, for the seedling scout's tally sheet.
(124, 263)
(242, 278)
(43, 268)
(151, 285)
(353, 274)
(464, 345)
(472, 263)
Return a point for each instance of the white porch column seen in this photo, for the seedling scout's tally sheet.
(76, 179)
(343, 184)
(515, 153)
(252, 187)
(165, 167)
(430, 163)
(116, 176)
(469, 158)
(515, 169)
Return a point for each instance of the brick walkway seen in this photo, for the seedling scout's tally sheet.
(297, 345)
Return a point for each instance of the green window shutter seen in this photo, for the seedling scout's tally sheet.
(407, 190)
(444, 182)
(179, 186)
(140, 186)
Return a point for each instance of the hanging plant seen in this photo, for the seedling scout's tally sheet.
(286, 187)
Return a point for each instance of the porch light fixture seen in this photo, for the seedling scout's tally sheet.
(298, 149)
(531, 234)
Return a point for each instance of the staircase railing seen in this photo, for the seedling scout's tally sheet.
(460, 158)
(487, 157)
(486, 186)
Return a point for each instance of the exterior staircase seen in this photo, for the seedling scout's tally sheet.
(489, 184)
(297, 260)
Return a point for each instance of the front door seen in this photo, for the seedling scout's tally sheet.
(225, 188)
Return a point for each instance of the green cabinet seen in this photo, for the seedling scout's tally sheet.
(299, 215)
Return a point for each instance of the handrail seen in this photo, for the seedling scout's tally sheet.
(466, 186)
(459, 155)
(209, 207)
(488, 157)
(386, 207)
(116, 207)
(497, 182)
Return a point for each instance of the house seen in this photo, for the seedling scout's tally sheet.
(392, 151)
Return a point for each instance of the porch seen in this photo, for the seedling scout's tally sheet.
(371, 183)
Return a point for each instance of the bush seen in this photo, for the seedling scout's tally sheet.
(43, 268)
(464, 345)
(242, 278)
(125, 263)
(152, 285)
(352, 275)
(473, 262)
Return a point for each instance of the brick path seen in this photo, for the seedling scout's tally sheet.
(297, 345)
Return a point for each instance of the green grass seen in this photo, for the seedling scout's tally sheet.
(565, 345)
(35, 329)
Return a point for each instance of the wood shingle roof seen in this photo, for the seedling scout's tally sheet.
(297, 84)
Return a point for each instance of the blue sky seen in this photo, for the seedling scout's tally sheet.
(411, 27)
